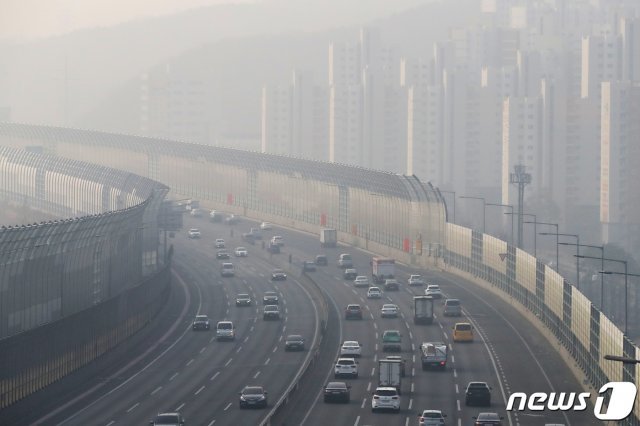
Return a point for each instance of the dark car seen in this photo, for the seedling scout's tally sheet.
(270, 298)
(337, 391)
(478, 393)
(243, 299)
(271, 312)
(278, 275)
(201, 322)
(308, 266)
(350, 274)
(232, 219)
(222, 254)
(168, 419)
(294, 342)
(321, 260)
(273, 248)
(391, 285)
(253, 396)
(488, 419)
(353, 311)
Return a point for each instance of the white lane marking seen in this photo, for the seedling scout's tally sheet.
(457, 390)
(203, 349)
(371, 315)
(156, 390)
(214, 376)
(446, 336)
(458, 404)
(179, 407)
(357, 421)
(410, 335)
(375, 325)
(211, 340)
(413, 372)
(364, 401)
(255, 376)
(245, 339)
(212, 422)
(284, 328)
(133, 407)
(407, 324)
(406, 421)
(239, 349)
(354, 292)
(190, 362)
(267, 361)
(375, 358)
(280, 339)
(453, 360)
(412, 387)
(373, 371)
(173, 377)
(199, 390)
(410, 403)
(413, 358)
(376, 335)
(227, 407)
(252, 327)
(413, 347)
(228, 362)
(369, 387)
(275, 349)
(455, 373)
(110, 423)
(376, 346)
(459, 422)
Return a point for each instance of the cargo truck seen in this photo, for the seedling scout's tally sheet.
(328, 237)
(390, 373)
(434, 355)
(422, 310)
(382, 268)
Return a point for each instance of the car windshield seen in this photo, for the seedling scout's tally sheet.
(168, 419)
(391, 335)
(227, 265)
(431, 415)
(243, 296)
(453, 303)
(252, 390)
(346, 362)
(270, 294)
(337, 385)
(353, 307)
(463, 327)
(388, 306)
(225, 326)
(351, 344)
(271, 308)
(433, 287)
(201, 318)
(241, 248)
(386, 392)
(294, 337)
(278, 271)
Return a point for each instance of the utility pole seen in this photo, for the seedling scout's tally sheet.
(520, 178)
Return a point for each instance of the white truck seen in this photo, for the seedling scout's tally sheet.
(390, 373)
(434, 355)
(422, 310)
(382, 268)
(328, 237)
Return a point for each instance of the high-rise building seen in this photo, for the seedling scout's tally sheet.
(619, 171)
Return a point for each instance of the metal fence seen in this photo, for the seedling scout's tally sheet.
(385, 213)
(71, 289)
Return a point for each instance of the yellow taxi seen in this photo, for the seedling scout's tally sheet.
(463, 332)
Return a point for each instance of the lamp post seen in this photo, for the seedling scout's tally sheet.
(602, 259)
(507, 206)
(556, 234)
(483, 207)
(535, 231)
(626, 281)
(454, 202)
(577, 237)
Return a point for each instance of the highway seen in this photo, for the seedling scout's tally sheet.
(192, 373)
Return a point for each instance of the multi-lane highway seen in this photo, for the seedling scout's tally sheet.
(192, 373)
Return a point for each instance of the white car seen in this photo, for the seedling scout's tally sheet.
(266, 226)
(194, 233)
(241, 252)
(416, 280)
(385, 398)
(431, 418)
(277, 240)
(220, 243)
(346, 367)
(389, 310)
(374, 293)
(351, 347)
(361, 281)
(434, 291)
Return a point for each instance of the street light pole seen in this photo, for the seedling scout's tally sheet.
(510, 207)
(601, 248)
(483, 207)
(577, 237)
(556, 234)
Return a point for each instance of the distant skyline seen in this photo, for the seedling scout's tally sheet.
(29, 19)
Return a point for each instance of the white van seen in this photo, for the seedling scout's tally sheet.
(225, 331)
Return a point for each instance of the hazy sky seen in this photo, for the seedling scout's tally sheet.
(41, 18)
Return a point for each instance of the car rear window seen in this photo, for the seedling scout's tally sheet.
(346, 362)
(452, 303)
(225, 326)
(345, 256)
(254, 390)
(463, 327)
(386, 392)
(167, 419)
